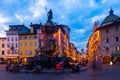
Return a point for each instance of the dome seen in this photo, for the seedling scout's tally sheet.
(111, 17)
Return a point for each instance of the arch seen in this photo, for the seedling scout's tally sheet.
(106, 59)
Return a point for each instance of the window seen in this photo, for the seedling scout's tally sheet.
(8, 51)
(107, 48)
(35, 43)
(117, 39)
(30, 43)
(2, 45)
(8, 45)
(117, 48)
(12, 39)
(12, 45)
(3, 52)
(16, 39)
(16, 45)
(25, 44)
(107, 31)
(30, 37)
(25, 37)
(21, 44)
(25, 52)
(107, 40)
(8, 39)
(35, 37)
(20, 38)
(30, 52)
(2, 39)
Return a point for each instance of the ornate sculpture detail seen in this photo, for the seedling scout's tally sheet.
(50, 15)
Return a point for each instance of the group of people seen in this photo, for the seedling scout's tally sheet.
(12, 66)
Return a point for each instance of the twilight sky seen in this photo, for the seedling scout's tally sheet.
(79, 15)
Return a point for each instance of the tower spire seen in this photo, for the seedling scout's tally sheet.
(111, 11)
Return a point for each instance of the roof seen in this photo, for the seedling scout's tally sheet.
(110, 18)
(22, 29)
(28, 34)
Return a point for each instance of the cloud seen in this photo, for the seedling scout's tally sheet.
(22, 17)
(92, 4)
(4, 19)
(103, 1)
(81, 31)
(19, 17)
(38, 8)
(2, 30)
(80, 44)
(98, 17)
(71, 4)
(2, 33)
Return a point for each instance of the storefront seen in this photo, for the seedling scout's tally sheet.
(115, 57)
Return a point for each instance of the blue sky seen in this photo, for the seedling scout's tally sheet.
(79, 15)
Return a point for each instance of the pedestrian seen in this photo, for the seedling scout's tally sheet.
(58, 57)
(86, 62)
(8, 65)
(59, 67)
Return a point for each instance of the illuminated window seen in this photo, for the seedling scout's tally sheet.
(117, 48)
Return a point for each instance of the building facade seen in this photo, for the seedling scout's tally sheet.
(28, 45)
(2, 48)
(12, 41)
(109, 39)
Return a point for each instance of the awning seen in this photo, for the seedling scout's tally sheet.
(115, 54)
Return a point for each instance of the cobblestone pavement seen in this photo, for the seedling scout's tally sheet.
(108, 73)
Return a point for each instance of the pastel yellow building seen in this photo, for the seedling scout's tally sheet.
(28, 44)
